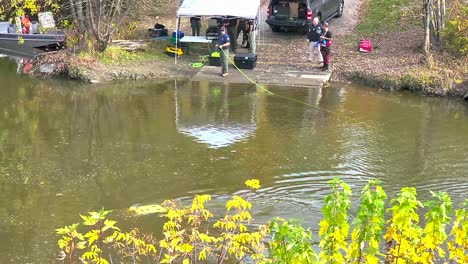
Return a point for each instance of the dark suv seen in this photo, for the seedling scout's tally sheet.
(297, 14)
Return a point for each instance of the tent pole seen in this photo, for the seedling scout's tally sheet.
(176, 39)
(257, 27)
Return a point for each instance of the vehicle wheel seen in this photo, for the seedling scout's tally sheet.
(340, 9)
(275, 28)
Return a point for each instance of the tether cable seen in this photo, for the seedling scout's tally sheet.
(361, 123)
(286, 97)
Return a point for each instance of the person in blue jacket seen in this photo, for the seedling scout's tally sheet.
(223, 45)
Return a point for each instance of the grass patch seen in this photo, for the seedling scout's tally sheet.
(385, 15)
(152, 51)
(116, 55)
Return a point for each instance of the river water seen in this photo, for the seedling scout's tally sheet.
(67, 148)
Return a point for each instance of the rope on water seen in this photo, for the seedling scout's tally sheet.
(289, 98)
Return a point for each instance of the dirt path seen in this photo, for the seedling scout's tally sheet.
(346, 23)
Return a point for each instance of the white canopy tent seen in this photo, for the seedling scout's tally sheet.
(212, 8)
(248, 9)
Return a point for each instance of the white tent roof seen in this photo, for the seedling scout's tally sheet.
(238, 8)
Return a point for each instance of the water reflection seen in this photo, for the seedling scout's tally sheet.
(65, 150)
(23, 60)
(204, 112)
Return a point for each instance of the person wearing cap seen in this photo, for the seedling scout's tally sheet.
(325, 43)
(313, 37)
(223, 44)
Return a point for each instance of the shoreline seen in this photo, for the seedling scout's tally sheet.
(95, 72)
(391, 65)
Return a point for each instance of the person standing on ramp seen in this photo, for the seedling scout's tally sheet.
(313, 38)
(325, 43)
(223, 45)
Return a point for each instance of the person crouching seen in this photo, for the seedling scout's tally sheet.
(223, 44)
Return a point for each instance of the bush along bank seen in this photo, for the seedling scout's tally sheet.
(435, 86)
(193, 234)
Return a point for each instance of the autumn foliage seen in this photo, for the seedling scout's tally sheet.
(193, 234)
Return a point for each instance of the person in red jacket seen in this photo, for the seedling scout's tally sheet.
(325, 42)
(25, 24)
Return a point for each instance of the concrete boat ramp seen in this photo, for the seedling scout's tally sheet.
(277, 76)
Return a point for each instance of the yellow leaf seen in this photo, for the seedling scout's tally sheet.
(372, 259)
(253, 183)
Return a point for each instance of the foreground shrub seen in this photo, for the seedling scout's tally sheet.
(290, 243)
(334, 226)
(368, 225)
(187, 237)
(192, 235)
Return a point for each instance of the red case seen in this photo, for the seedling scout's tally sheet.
(365, 45)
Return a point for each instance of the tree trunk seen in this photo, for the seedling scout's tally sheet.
(81, 15)
(442, 13)
(427, 24)
(434, 15)
(438, 21)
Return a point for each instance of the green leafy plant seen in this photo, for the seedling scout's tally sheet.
(456, 30)
(134, 245)
(458, 244)
(368, 225)
(102, 234)
(290, 243)
(403, 233)
(191, 235)
(71, 240)
(185, 242)
(434, 234)
(182, 236)
(334, 226)
(98, 235)
(235, 240)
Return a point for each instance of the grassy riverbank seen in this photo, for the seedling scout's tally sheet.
(115, 63)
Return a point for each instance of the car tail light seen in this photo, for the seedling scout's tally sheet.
(268, 11)
(309, 14)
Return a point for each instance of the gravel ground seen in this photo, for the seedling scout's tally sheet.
(393, 55)
(291, 49)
